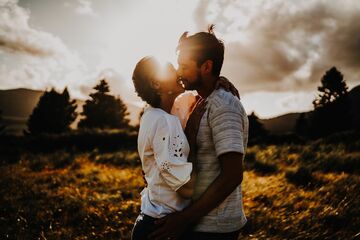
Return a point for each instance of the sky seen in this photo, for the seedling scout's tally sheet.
(275, 51)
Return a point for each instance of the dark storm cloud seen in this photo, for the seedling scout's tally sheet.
(289, 45)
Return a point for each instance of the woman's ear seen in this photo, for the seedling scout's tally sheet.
(155, 85)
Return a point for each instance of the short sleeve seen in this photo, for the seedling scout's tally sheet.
(183, 105)
(171, 150)
(227, 121)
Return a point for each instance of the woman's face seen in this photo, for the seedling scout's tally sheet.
(168, 80)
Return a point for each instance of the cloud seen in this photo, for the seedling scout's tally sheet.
(286, 45)
(82, 7)
(268, 104)
(15, 34)
(85, 8)
(35, 57)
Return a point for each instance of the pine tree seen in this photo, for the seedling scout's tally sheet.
(70, 106)
(256, 128)
(333, 87)
(331, 107)
(103, 110)
(137, 126)
(53, 114)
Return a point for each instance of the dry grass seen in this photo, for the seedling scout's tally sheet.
(83, 200)
(290, 192)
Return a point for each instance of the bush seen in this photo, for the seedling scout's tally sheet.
(122, 158)
(300, 177)
(57, 160)
(81, 140)
(350, 163)
(265, 168)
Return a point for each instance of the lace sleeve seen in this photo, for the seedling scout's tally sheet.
(171, 150)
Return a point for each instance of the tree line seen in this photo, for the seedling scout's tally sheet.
(55, 112)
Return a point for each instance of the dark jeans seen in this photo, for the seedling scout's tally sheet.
(145, 224)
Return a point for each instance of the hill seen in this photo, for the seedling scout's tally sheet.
(286, 123)
(281, 124)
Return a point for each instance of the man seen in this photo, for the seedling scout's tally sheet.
(217, 208)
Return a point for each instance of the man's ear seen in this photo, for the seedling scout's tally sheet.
(155, 85)
(207, 67)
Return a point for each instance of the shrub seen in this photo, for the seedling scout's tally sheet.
(300, 177)
(57, 160)
(121, 158)
(265, 168)
(85, 140)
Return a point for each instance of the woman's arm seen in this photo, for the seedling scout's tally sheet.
(187, 190)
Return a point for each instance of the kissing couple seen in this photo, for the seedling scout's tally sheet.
(192, 141)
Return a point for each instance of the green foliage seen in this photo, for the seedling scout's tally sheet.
(103, 110)
(54, 113)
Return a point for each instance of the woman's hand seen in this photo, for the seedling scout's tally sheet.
(224, 83)
(192, 126)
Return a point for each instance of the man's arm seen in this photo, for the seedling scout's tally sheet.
(230, 177)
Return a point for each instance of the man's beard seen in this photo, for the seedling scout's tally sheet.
(195, 85)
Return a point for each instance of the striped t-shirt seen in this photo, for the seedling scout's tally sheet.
(223, 128)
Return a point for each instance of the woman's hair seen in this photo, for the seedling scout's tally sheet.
(204, 46)
(144, 73)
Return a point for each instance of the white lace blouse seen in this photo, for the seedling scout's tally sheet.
(163, 150)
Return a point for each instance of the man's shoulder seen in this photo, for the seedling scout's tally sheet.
(224, 99)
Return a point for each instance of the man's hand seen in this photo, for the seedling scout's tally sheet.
(172, 226)
(224, 83)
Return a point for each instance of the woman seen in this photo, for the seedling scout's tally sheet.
(162, 145)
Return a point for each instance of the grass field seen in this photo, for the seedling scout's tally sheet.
(306, 191)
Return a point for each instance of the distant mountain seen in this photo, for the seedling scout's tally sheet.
(286, 123)
(281, 124)
(17, 105)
